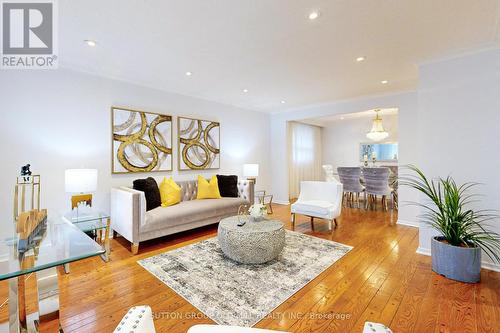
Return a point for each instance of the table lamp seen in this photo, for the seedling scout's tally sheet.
(81, 181)
(251, 171)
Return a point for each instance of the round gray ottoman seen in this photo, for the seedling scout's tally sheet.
(252, 243)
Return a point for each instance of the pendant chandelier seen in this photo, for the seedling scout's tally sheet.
(377, 132)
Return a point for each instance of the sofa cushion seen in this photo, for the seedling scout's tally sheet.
(151, 191)
(170, 192)
(190, 211)
(228, 186)
(208, 190)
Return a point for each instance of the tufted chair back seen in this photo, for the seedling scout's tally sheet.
(349, 177)
(377, 181)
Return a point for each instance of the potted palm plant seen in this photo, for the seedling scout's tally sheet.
(456, 252)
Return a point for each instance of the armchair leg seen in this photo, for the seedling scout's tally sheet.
(135, 248)
(293, 221)
(312, 223)
(335, 221)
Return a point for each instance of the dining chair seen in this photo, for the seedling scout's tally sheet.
(377, 183)
(393, 183)
(329, 175)
(350, 179)
(319, 199)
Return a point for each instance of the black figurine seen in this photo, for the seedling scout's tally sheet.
(25, 170)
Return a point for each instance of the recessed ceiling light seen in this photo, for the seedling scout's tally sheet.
(283, 102)
(90, 42)
(360, 59)
(384, 81)
(313, 15)
(341, 118)
(189, 73)
(245, 90)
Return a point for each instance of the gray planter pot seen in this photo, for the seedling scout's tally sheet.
(454, 262)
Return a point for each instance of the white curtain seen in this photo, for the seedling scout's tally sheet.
(304, 155)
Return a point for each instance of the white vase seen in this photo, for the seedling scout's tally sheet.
(257, 218)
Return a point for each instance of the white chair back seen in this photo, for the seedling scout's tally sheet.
(329, 176)
(139, 319)
(322, 191)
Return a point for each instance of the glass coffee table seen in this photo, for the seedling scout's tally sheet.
(95, 224)
(56, 243)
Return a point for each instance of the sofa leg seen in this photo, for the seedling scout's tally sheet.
(335, 222)
(312, 223)
(293, 221)
(115, 234)
(135, 248)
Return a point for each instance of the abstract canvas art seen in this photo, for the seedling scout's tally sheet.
(142, 141)
(199, 144)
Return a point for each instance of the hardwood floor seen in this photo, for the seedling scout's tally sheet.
(382, 279)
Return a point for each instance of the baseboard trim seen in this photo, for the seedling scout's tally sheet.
(484, 264)
(424, 251)
(408, 223)
(491, 266)
(281, 202)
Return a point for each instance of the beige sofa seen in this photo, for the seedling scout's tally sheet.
(130, 219)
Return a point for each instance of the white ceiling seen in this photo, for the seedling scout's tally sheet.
(270, 47)
(324, 121)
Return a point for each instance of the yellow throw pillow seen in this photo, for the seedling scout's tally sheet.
(208, 190)
(170, 192)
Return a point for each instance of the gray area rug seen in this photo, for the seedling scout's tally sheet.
(231, 293)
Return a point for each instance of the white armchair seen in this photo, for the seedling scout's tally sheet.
(319, 199)
(138, 319)
(228, 329)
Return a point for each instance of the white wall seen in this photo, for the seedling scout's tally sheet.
(459, 125)
(341, 139)
(61, 119)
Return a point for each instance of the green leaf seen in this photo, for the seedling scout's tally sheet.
(448, 212)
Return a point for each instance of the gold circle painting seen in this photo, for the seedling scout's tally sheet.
(142, 141)
(199, 144)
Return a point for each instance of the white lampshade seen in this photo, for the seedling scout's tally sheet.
(80, 180)
(251, 170)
